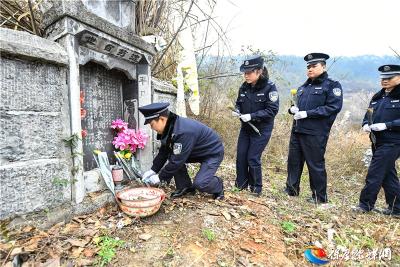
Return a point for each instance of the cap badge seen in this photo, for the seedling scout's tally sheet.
(386, 68)
(246, 62)
(309, 57)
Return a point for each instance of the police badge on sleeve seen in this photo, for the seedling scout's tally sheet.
(273, 96)
(177, 148)
(337, 91)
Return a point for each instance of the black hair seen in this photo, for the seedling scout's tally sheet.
(264, 73)
(163, 114)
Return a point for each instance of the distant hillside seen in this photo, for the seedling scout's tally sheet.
(354, 73)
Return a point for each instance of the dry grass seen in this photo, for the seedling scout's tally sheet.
(346, 174)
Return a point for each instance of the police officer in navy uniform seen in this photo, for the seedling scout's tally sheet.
(183, 141)
(385, 134)
(319, 100)
(257, 105)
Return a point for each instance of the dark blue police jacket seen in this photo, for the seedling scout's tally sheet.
(184, 140)
(386, 109)
(322, 99)
(260, 101)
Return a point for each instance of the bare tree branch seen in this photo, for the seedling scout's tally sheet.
(174, 37)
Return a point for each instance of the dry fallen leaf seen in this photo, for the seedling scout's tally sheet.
(226, 215)
(55, 262)
(145, 237)
(69, 228)
(85, 262)
(258, 240)
(88, 252)
(32, 244)
(16, 251)
(77, 242)
(27, 229)
(76, 252)
(6, 246)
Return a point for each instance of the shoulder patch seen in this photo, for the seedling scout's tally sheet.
(177, 149)
(337, 91)
(273, 96)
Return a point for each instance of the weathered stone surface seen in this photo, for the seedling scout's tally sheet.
(121, 28)
(25, 44)
(32, 186)
(93, 181)
(164, 92)
(31, 86)
(30, 136)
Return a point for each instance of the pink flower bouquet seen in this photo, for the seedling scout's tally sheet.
(128, 140)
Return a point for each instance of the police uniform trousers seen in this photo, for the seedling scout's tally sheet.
(310, 149)
(382, 173)
(248, 159)
(205, 179)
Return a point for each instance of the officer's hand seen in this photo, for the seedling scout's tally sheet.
(235, 114)
(366, 128)
(147, 174)
(245, 117)
(294, 109)
(378, 127)
(152, 180)
(300, 115)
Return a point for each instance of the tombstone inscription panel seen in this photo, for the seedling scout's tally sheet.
(102, 103)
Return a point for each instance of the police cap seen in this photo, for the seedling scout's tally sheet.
(153, 111)
(252, 63)
(314, 58)
(388, 71)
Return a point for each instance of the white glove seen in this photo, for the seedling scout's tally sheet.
(152, 180)
(366, 128)
(235, 114)
(378, 127)
(147, 174)
(300, 115)
(245, 117)
(294, 109)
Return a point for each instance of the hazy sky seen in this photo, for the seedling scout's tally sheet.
(297, 27)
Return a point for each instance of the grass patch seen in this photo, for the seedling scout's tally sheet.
(288, 227)
(209, 234)
(107, 248)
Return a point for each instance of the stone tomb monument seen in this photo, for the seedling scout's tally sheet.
(109, 74)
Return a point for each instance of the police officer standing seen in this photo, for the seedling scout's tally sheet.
(183, 141)
(319, 100)
(257, 105)
(383, 122)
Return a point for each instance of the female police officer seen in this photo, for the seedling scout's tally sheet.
(385, 135)
(256, 105)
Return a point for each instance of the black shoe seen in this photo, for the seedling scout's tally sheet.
(315, 201)
(183, 191)
(358, 209)
(220, 195)
(390, 212)
(256, 191)
(256, 194)
(290, 193)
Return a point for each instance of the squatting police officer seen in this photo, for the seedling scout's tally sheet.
(183, 141)
(256, 105)
(319, 100)
(382, 120)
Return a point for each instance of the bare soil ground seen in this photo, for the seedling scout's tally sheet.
(242, 230)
